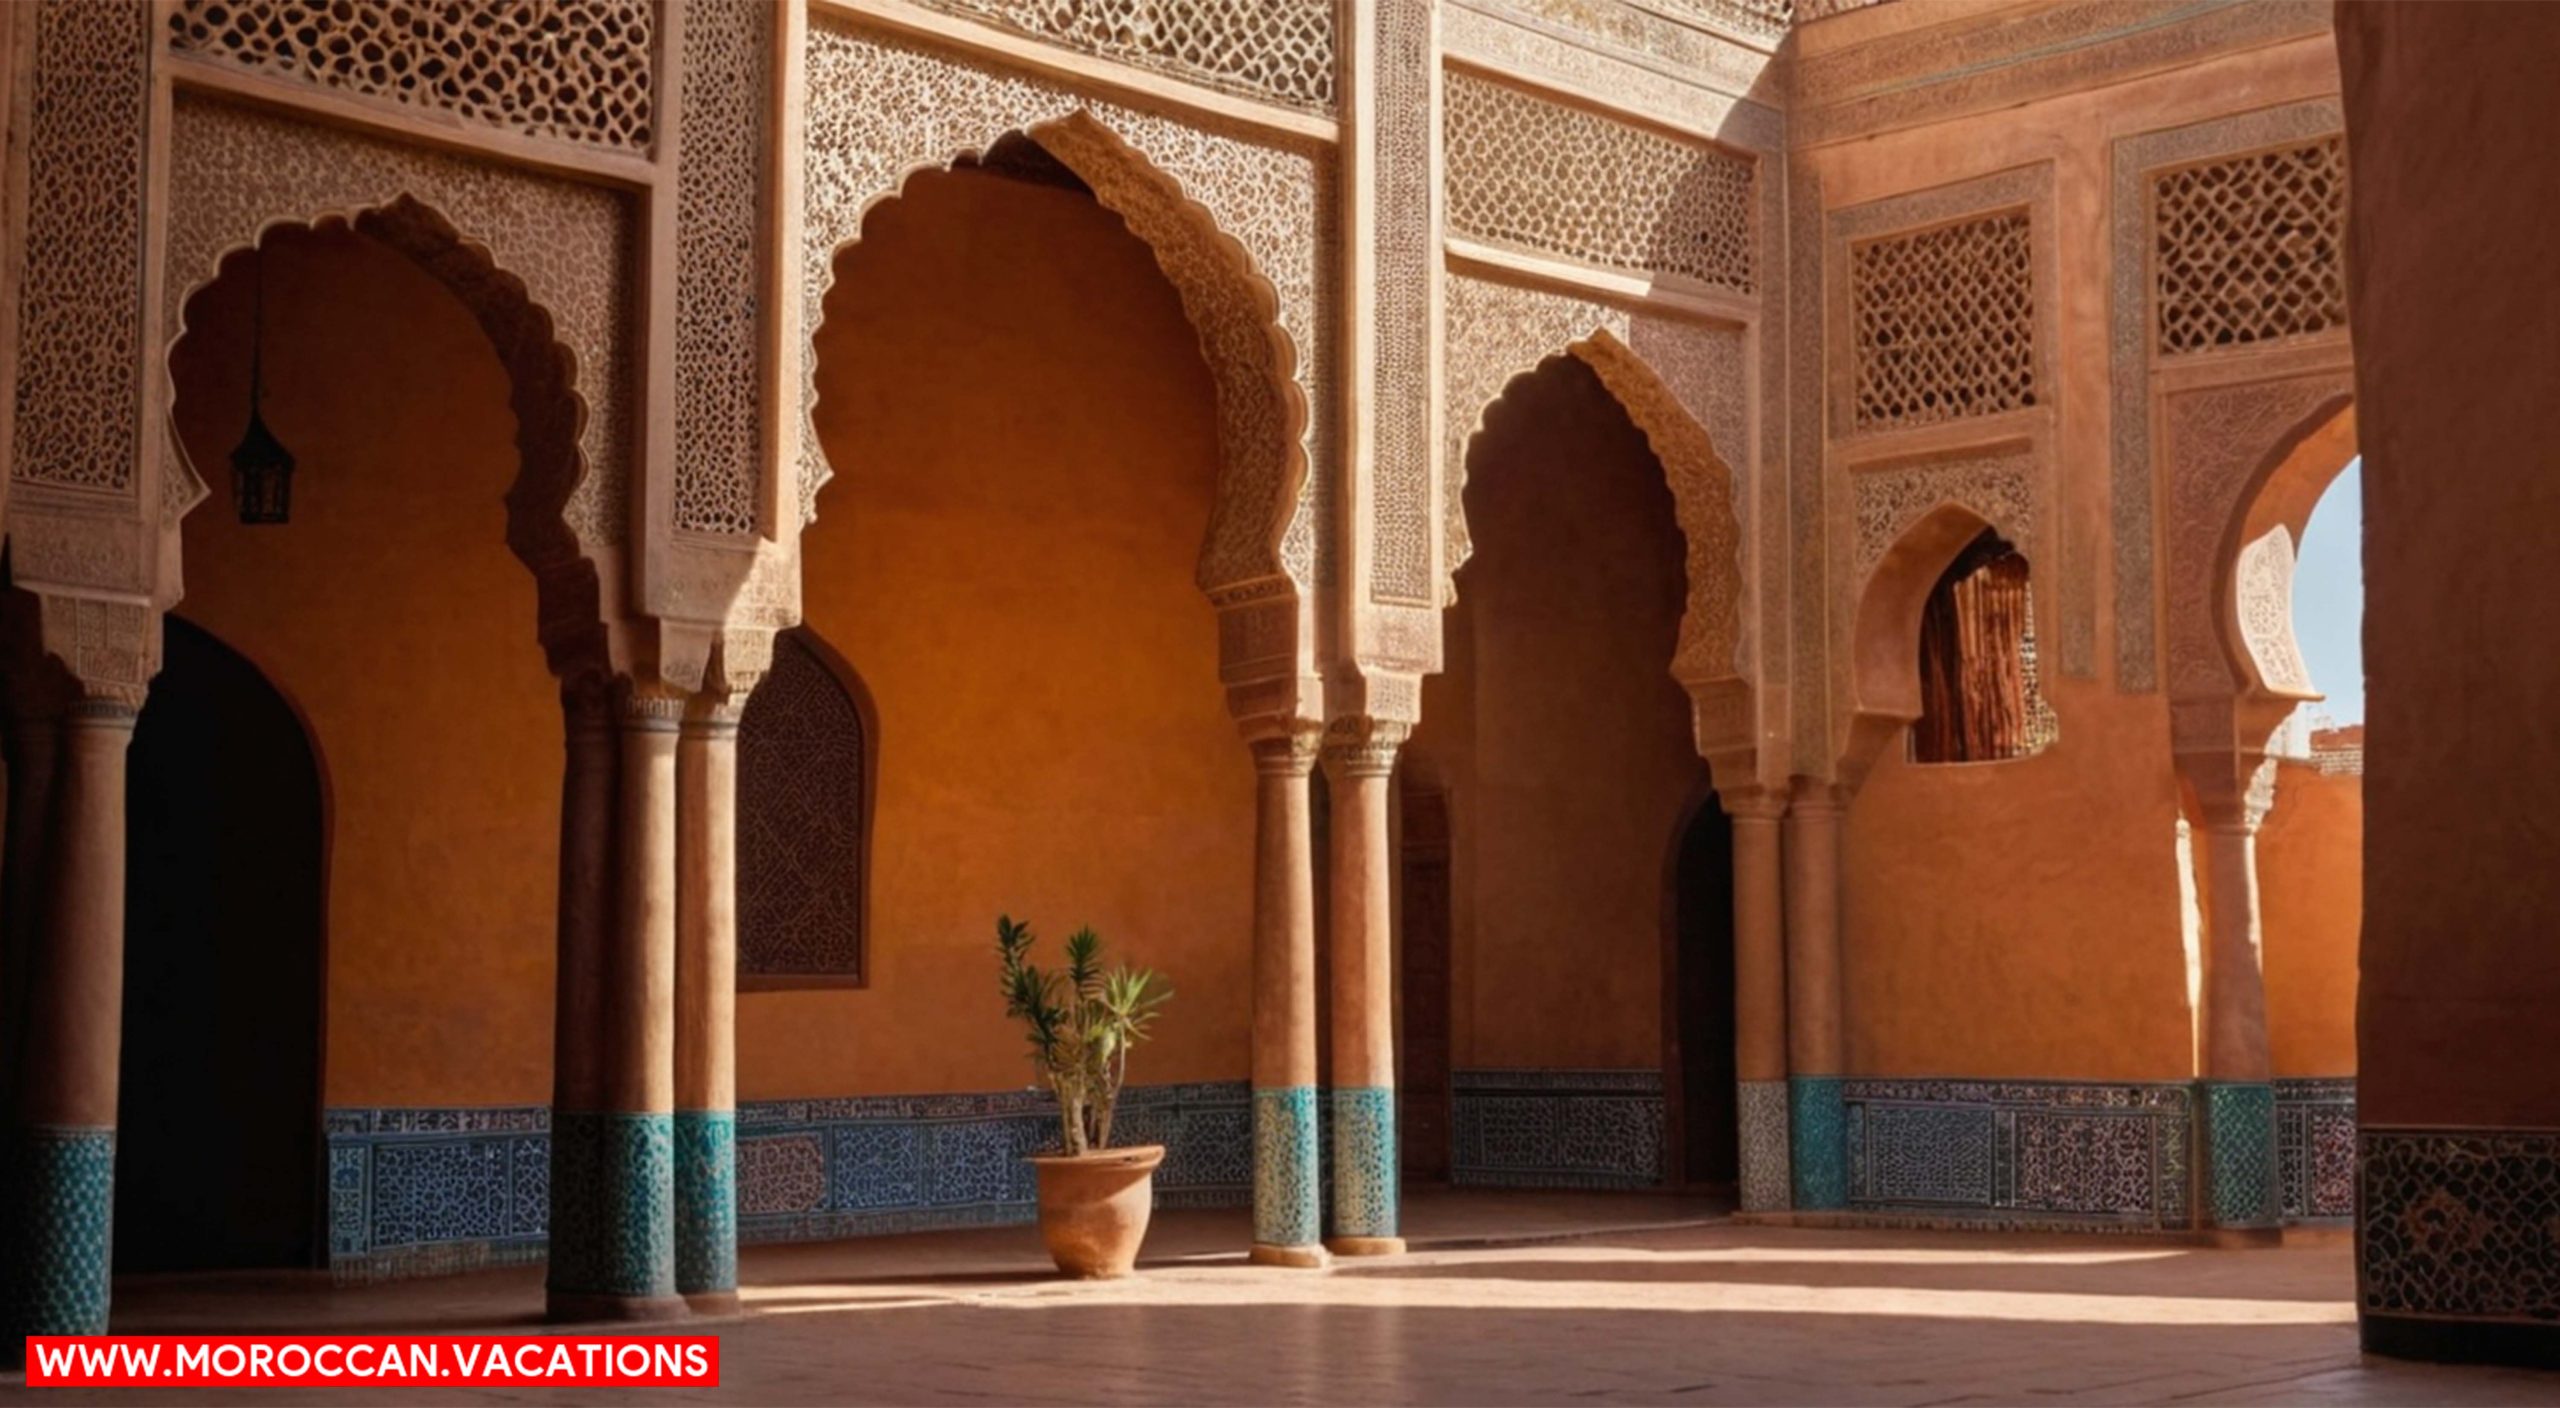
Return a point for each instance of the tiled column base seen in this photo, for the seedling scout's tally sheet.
(1365, 1172)
(2456, 1257)
(613, 1219)
(1765, 1176)
(55, 1250)
(2240, 1154)
(706, 1172)
(1817, 1126)
(1288, 1216)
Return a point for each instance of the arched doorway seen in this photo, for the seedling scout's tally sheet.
(1702, 1099)
(218, 1157)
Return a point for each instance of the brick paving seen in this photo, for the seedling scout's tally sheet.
(1659, 1307)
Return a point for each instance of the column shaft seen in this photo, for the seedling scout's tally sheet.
(1760, 1000)
(59, 1163)
(1288, 1216)
(1816, 1047)
(2239, 1093)
(585, 928)
(706, 1095)
(1366, 1168)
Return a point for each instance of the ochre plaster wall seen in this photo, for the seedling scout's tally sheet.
(390, 611)
(1021, 427)
(2310, 913)
(1561, 735)
(2022, 919)
(2450, 111)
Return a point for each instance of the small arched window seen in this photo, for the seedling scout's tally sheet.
(804, 813)
(1980, 698)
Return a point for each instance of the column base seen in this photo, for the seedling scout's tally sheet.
(1817, 1131)
(1365, 1246)
(702, 1303)
(1307, 1258)
(583, 1307)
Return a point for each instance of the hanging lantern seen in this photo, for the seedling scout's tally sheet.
(261, 467)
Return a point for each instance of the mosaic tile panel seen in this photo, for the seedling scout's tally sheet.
(636, 1158)
(1287, 1173)
(1766, 1181)
(60, 1186)
(2021, 1149)
(2240, 1153)
(812, 1170)
(2457, 1224)
(1817, 1137)
(1557, 1128)
(706, 1152)
(2316, 1148)
(1367, 1174)
(420, 1191)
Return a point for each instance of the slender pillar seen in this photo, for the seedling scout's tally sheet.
(60, 1142)
(577, 1035)
(2241, 1187)
(1288, 1193)
(1760, 997)
(632, 1130)
(706, 1121)
(1816, 1047)
(1359, 756)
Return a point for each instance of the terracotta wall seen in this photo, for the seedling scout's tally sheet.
(2022, 919)
(2311, 914)
(1021, 427)
(390, 611)
(1563, 741)
(2450, 109)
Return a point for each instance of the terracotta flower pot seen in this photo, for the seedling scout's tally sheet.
(1094, 1207)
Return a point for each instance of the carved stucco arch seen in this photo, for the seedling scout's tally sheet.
(1711, 658)
(541, 271)
(1912, 524)
(1234, 225)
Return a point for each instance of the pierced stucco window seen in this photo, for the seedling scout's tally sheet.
(1980, 698)
(805, 765)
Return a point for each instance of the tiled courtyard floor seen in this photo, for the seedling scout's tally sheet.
(1662, 1309)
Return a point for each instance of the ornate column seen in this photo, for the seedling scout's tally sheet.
(59, 1158)
(1760, 996)
(1359, 755)
(1816, 1046)
(706, 1052)
(2241, 1191)
(1288, 1195)
(632, 1274)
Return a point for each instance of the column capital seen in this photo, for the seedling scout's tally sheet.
(1288, 754)
(649, 704)
(1812, 796)
(1753, 803)
(714, 714)
(1361, 746)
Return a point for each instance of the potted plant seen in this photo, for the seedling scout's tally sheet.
(1094, 1200)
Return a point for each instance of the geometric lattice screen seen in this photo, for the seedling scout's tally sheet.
(576, 70)
(803, 766)
(1532, 173)
(1944, 322)
(2250, 248)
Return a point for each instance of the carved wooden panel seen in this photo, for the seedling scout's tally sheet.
(803, 817)
(574, 70)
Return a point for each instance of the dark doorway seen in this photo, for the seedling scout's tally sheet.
(1423, 1092)
(218, 1149)
(1705, 1120)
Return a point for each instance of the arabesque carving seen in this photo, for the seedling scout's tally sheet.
(1998, 488)
(1679, 382)
(571, 70)
(1236, 226)
(720, 266)
(2265, 588)
(1281, 51)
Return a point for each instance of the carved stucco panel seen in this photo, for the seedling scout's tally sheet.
(1241, 227)
(1704, 96)
(2265, 586)
(1998, 488)
(2218, 439)
(234, 171)
(1682, 383)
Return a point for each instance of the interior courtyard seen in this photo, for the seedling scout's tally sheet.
(1806, 700)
